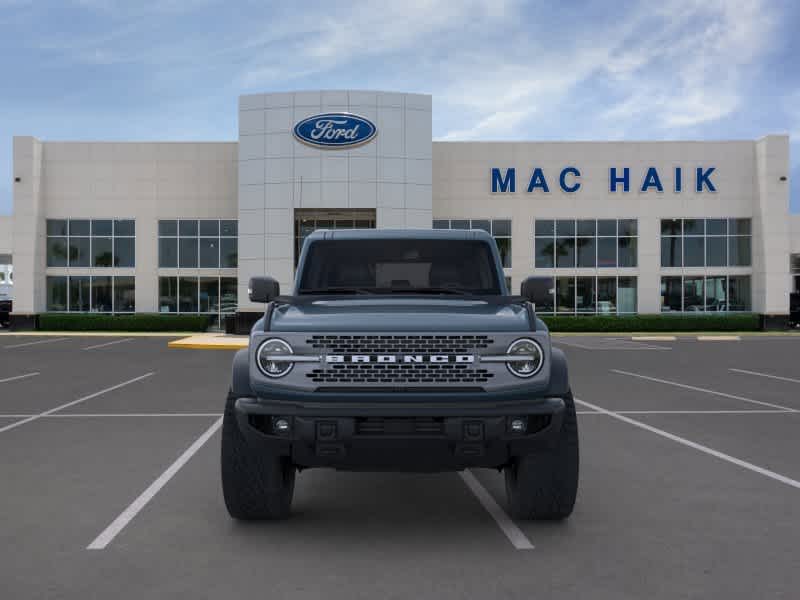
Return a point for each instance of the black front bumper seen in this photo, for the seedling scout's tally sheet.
(400, 436)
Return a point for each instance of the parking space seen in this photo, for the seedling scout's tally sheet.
(690, 486)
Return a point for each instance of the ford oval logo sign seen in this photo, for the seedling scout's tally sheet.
(335, 130)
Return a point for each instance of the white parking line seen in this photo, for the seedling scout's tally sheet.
(704, 390)
(128, 415)
(514, 534)
(118, 524)
(108, 344)
(73, 403)
(631, 346)
(778, 377)
(754, 411)
(699, 447)
(50, 341)
(16, 377)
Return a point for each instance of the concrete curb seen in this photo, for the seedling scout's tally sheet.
(210, 342)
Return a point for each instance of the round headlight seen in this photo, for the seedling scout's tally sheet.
(528, 358)
(267, 364)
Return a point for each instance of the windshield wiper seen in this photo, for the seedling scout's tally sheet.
(336, 290)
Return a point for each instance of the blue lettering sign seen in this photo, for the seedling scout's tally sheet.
(562, 180)
(678, 180)
(625, 180)
(652, 180)
(507, 184)
(335, 130)
(538, 181)
(703, 179)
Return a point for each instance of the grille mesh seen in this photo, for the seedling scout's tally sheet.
(394, 373)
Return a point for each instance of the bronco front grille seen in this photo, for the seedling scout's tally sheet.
(399, 373)
(405, 344)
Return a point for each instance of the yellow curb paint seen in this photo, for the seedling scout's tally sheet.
(210, 342)
(718, 338)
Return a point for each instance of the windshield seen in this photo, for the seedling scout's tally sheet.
(414, 266)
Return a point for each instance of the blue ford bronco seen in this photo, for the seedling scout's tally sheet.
(400, 350)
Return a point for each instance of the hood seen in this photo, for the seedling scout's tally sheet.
(400, 314)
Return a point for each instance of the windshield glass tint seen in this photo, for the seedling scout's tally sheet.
(396, 266)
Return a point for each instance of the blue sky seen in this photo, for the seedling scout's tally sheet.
(172, 69)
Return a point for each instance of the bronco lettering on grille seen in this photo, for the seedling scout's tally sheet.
(399, 358)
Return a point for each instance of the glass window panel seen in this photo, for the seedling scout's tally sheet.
(102, 294)
(229, 228)
(57, 252)
(607, 295)
(694, 227)
(365, 224)
(739, 226)
(56, 227)
(484, 224)
(565, 294)
(167, 294)
(716, 293)
(459, 224)
(78, 227)
(504, 247)
(125, 227)
(545, 227)
(739, 293)
(606, 227)
(102, 227)
(125, 252)
(716, 251)
(168, 253)
(716, 226)
(671, 252)
(441, 224)
(507, 281)
(80, 294)
(544, 253)
(739, 251)
(628, 228)
(187, 294)
(693, 294)
(627, 295)
(585, 300)
(56, 293)
(324, 224)
(343, 224)
(693, 252)
(187, 228)
(188, 253)
(794, 263)
(565, 227)
(209, 228)
(499, 226)
(229, 253)
(228, 294)
(79, 252)
(606, 252)
(565, 252)
(168, 228)
(671, 294)
(102, 252)
(671, 227)
(209, 294)
(587, 250)
(124, 294)
(209, 253)
(587, 227)
(628, 252)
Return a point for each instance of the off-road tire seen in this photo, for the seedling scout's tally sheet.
(255, 485)
(543, 485)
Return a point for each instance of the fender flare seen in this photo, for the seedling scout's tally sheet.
(559, 374)
(240, 376)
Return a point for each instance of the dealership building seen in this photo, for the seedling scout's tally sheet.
(175, 227)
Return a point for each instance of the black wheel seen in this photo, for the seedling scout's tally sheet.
(255, 485)
(543, 485)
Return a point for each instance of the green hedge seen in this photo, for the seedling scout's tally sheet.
(135, 322)
(731, 322)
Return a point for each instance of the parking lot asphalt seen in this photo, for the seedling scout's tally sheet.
(690, 486)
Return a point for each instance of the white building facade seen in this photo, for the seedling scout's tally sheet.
(622, 227)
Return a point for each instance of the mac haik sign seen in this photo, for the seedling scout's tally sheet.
(620, 179)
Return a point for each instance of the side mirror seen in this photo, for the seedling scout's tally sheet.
(539, 290)
(263, 289)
